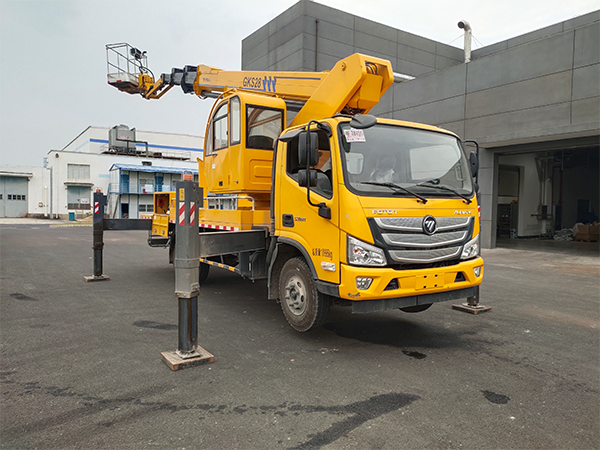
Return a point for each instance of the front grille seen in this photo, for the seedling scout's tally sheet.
(422, 240)
(416, 223)
(424, 256)
(407, 244)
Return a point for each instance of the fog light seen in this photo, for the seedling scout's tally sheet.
(363, 283)
(477, 271)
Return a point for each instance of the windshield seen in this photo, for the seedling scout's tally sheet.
(429, 163)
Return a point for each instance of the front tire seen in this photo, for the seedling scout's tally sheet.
(304, 307)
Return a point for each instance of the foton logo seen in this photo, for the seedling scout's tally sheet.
(383, 212)
(429, 225)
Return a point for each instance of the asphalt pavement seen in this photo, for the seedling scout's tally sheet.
(80, 362)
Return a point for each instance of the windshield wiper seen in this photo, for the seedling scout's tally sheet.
(396, 186)
(431, 184)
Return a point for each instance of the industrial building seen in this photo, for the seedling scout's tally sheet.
(532, 102)
(127, 165)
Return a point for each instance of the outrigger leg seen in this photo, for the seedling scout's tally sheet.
(472, 305)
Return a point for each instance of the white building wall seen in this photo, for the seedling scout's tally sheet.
(37, 187)
(48, 187)
(100, 165)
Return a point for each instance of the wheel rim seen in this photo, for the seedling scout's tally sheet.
(295, 295)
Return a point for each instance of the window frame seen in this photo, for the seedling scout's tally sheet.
(248, 128)
(75, 169)
(216, 118)
(232, 115)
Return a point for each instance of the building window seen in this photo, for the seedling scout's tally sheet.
(78, 171)
(146, 208)
(146, 186)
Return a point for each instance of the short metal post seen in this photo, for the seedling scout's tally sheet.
(98, 239)
(474, 301)
(188, 327)
(187, 286)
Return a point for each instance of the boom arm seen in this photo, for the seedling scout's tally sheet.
(354, 85)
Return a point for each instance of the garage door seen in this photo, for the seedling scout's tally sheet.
(13, 197)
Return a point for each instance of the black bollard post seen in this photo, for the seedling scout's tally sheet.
(187, 286)
(98, 240)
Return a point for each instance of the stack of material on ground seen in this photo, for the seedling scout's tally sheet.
(586, 232)
(566, 234)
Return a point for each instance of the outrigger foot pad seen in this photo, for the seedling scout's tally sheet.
(176, 362)
(97, 278)
(471, 309)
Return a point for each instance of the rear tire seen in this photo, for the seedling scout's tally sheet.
(417, 308)
(304, 307)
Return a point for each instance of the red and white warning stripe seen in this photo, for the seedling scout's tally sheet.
(192, 213)
(218, 227)
(182, 213)
(96, 207)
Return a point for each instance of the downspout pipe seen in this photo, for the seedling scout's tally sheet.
(464, 25)
(316, 45)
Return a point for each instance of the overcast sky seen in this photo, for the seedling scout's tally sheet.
(53, 58)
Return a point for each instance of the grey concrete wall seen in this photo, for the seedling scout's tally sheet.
(537, 90)
(289, 42)
(543, 86)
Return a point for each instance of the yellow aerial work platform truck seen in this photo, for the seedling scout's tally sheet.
(305, 189)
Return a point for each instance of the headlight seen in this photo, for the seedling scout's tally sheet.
(471, 248)
(362, 254)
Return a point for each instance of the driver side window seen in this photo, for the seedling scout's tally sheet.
(323, 167)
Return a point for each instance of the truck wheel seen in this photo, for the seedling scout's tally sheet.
(304, 307)
(204, 269)
(416, 309)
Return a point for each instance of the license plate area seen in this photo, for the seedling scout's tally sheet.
(431, 281)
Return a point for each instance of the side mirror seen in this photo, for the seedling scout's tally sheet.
(473, 157)
(306, 176)
(474, 161)
(308, 144)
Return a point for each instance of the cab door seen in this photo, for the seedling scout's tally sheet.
(297, 219)
(216, 157)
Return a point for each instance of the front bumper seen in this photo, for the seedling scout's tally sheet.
(410, 283)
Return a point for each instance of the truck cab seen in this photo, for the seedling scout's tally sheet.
(384, 216)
